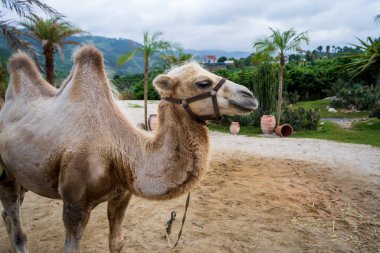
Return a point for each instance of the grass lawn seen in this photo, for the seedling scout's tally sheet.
(130, 105)
(367, 132)
(323, 103)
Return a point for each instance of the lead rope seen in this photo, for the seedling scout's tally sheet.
(169, 224)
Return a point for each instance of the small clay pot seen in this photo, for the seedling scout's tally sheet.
(268, 124)
(234, 128)
(285, 130)
(152, 122)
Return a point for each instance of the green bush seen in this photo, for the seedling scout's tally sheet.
(363, 97)
(301, 119)
(375, 113)
(244, 120)
(127, 95)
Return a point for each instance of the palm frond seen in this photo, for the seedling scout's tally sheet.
(13, 36)
(124, 58)
(24, 8)
(365, 61)
(376, 19)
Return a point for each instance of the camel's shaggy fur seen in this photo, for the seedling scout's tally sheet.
(75, 144)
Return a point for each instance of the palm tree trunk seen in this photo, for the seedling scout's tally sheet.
(146, 69)
(49, 63)
(280, 88)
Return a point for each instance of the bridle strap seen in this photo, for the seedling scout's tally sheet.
(184, 102)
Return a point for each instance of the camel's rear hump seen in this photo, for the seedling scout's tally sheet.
(25, 79)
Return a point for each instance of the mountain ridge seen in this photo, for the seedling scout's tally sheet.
(111, 49)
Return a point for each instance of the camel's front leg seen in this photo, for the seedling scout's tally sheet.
(116, 211)
(75, 218)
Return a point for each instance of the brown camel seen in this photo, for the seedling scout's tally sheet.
(75, 144)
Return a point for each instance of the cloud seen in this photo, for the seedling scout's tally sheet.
(224, 24)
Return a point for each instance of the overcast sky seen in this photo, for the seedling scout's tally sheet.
(224, 24)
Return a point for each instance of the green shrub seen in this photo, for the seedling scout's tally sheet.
(265, 83)
(301, 119)
(363, 97)
(127, 95)
(375, 113)
(244, 120)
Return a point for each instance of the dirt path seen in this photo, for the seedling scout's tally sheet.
(244, 204)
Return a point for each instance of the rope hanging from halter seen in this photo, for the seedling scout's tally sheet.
(169, 224)
(185, 102)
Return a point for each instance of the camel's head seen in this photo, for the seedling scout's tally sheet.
(191, 80)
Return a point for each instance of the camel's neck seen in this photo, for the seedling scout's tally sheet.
(170, 162)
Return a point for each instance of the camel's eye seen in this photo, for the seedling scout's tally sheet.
(204, 84)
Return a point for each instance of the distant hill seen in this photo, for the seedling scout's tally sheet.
(219, 53)
(112, 48)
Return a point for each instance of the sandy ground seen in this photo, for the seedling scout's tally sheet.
(259, 195)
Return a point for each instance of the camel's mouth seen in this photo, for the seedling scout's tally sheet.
(246, 106)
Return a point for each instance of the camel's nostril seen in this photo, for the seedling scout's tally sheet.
(246, 93)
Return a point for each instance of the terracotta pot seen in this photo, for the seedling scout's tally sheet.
(268, 124)
(234, 128)
(284, 130)
(152, 122)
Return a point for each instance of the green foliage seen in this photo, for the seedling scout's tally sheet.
(312, 81)
(291, 98)
(301, 119)
(222, 59)
(265, 85)
(362, 97)
(244, 120)
(3, 81)
(242, 76)
(322, 106)
(375, 113)
(14, 36)
(174, 57)
(132, 86)
(366, 61)
(127, 95)
(278, 43)
(52, 34)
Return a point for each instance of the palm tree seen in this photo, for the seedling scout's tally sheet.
(278, 44)
(53, 34)
(376, 19)
(23, 9)
(175, 57)
(152, 44)
(366, 61)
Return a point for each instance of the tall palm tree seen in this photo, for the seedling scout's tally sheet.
(22, 8)
(368, 60)
(53, 34)
(278, 44)
(152, 44)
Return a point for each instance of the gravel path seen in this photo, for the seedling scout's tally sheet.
(362, 159)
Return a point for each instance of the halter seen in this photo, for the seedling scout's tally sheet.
(184, 102)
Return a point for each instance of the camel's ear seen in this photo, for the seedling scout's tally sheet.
(164, 84)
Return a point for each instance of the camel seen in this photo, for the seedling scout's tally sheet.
(76, 144)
